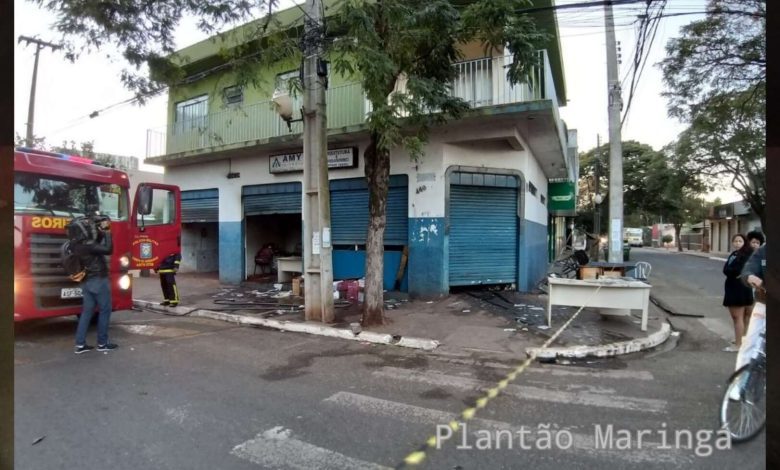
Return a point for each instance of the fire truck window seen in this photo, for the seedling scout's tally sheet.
(35, 194)
(113, 201)
(163, 209)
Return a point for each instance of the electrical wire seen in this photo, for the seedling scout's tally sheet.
(640, 61)
(578, 15)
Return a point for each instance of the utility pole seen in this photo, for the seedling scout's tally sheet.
(318, 251)
(31, 109)
(597, 211)
(615, 145)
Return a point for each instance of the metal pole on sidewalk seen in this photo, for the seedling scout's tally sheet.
(615, 145)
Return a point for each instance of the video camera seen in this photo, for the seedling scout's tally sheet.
(87, 228)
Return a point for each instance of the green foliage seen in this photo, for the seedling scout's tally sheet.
(143, 31)
(723, 53)
(727, 139)
(389, 43)
(655, 184)
(715, 75)
(667, 239)
(85, 149)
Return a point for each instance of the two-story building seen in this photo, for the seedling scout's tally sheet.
(726, 220)
(478, 208)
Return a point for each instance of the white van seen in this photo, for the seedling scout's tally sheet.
(633, 236)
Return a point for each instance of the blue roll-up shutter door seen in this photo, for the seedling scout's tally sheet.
(349, 211)
(483, 232)
(200, 205)
(277, 198)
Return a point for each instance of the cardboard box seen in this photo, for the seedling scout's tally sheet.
(297, 286)
(589, 272)
(611, 273)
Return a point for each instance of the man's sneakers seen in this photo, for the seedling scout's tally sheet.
(83, 348)
(105, 347)
(173, 303)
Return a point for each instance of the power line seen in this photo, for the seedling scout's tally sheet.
(639, 68)
(568, 6)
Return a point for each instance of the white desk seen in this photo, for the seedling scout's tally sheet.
(286, 266)
(609, 293)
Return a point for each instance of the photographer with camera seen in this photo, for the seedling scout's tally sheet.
(91, 238)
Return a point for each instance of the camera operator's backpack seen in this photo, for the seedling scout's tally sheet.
(71, 262)
(79, 230)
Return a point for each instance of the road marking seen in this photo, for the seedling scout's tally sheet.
(604, 400)
(426, 416)
(276, 448)
(561, 370)
(153, 330)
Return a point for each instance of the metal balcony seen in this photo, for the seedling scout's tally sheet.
(481, 83)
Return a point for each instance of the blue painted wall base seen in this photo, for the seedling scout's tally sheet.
(231, 252)
(351, 264)
(533, 255)
(427, 248)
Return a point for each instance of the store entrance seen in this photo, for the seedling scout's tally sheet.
(282, 232)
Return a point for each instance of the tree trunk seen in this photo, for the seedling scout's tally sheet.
(677, 230)
(377, 168)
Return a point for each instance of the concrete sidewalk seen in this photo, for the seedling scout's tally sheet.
(498, 323)
(717, 255)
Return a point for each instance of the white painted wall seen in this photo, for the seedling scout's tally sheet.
(467, 146)
(535, 210)
(501, 155)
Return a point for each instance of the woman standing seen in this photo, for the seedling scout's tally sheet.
(738, 298)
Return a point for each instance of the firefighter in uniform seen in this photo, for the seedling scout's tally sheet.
(167, 271)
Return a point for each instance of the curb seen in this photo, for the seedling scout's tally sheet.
(709, 255)
(297, 327)
(605, 350)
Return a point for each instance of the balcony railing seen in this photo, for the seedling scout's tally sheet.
(480, 82)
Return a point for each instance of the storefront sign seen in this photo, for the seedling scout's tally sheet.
(289, 162)
(562, 200)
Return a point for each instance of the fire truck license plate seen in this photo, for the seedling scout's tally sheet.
(70, 293)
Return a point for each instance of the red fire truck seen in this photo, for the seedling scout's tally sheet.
(49, 190)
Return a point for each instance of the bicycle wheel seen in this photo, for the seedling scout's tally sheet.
(743, 408)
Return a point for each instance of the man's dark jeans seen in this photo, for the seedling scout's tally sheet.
(96, 291)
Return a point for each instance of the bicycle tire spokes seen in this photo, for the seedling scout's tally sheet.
(744, 418)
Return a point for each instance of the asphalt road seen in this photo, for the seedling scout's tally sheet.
(691, 285)
(185, 393)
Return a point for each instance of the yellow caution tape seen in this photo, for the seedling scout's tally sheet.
(418, 456)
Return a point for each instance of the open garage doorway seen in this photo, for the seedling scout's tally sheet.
(282, 231)
(272, 215)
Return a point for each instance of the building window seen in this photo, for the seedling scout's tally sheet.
(191, 114)
(542, 198)
(287, 80)
(532, 188)
(233, 94)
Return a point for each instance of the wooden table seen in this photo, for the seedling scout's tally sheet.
(605, 269)
(286, 266)
(607, 293)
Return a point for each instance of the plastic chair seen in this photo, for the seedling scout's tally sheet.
(263, 258)
(642, 270)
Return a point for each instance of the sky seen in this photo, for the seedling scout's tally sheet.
(67, 93)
